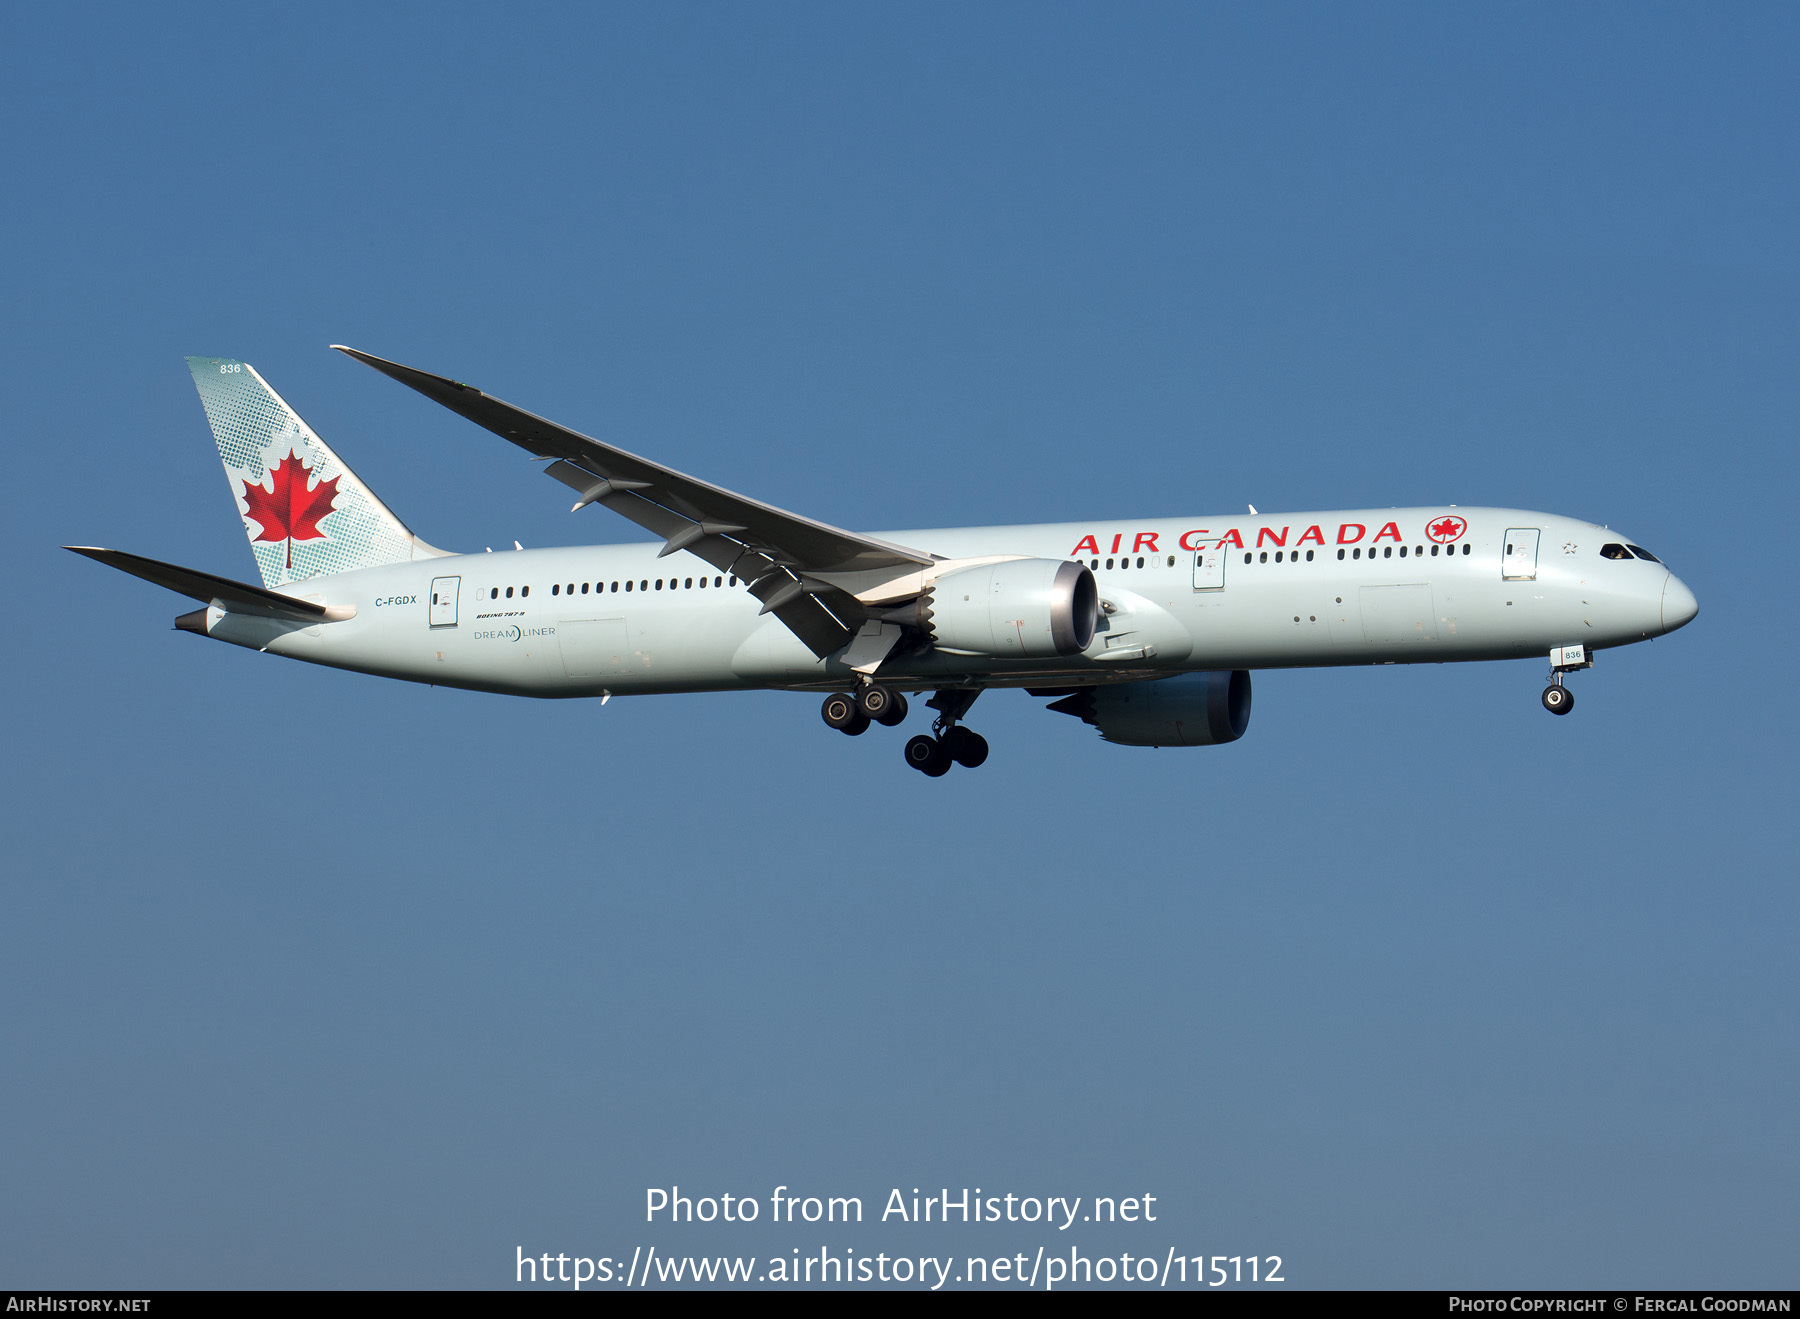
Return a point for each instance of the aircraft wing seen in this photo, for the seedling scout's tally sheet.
(240, 597)
(772, 550)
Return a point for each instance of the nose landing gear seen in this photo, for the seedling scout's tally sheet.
(1557, 698)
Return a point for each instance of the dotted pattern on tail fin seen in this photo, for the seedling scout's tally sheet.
(264, 443)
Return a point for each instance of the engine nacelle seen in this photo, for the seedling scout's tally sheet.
(1018, 609)
(1192, 710)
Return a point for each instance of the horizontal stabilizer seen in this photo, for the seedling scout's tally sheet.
(237, 597)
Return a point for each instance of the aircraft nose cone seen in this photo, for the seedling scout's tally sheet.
(1678, 604)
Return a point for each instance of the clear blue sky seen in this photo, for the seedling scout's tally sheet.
(312, 979)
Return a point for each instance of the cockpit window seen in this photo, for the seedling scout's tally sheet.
(1614, 551)
(1643, 553)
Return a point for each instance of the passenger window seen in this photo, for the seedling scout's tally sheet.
(494, 594)
(1247, 558)
(1643, 553)
(1140, 561)
(1613, 551)
(1388, 553)
(1309, 555)
(509, 593)
(1465, 549)
(1434, 551)
(1355, 553)
(1095, 565)
(718, 580)
(1340, 554)
(1402, 551)
(1109, 565)
(524, 591)
(690, 585)
(629, 585)
(584, 588)
(1171, 560)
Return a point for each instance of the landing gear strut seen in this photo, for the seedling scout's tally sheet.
(952, 743)
(1557, 698)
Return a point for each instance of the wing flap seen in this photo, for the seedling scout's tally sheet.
(820, 631)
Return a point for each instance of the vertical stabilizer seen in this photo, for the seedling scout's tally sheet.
(306, 514)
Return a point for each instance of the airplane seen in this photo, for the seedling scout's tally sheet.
(1146, 629)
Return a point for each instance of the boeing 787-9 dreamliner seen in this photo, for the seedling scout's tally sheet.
(1146, 629)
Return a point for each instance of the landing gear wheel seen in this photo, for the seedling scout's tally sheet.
(896, 712)
(1558, 700)
(875, 702)
(967, 749)
(840, 711)
(927, 755)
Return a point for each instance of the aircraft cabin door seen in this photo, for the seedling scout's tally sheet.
(1209, 569)
(443, 600)
(1519, 563)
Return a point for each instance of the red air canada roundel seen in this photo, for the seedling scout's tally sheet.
(1446, 529)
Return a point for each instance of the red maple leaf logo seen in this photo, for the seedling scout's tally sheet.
(1446, 530)
(291, 511)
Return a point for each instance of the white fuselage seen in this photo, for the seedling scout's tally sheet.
(1271, 591)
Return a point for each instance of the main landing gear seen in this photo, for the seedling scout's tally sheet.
(955, 745)
(952, 743)
(948, 743)
(853, 714)
(1557, 698)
